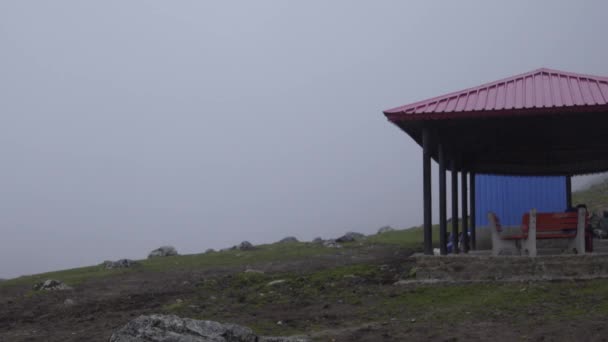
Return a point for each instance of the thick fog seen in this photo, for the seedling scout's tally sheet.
(125, 125)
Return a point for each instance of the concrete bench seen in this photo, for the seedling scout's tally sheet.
(537, 226)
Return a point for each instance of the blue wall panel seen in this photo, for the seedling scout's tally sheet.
(511, 196)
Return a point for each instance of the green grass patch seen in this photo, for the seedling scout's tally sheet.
(263, 253)
(409, 238)
(566, 300)
(71, 277)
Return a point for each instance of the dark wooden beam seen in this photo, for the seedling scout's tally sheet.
(518, 168)
(465, 214)
(454, 175)
(562, 144)
(473, 216)
(443, 247)
(426, 180)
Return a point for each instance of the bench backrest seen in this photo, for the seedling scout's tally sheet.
(552, 222)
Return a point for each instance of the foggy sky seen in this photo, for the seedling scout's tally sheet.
(125, 125)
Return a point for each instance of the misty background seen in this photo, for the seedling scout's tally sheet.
(126, 125)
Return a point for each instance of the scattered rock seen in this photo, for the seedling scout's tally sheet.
(157, 328)
(51, 285)
(69, 302)
(163, 251)
(289, 239)
(276, 282)
(251, 270)
(331, 244)
(350, 237)
(246, 246)
(122, 263)
(173, 328)
(318, 240)
(385, 229)
(282, 339)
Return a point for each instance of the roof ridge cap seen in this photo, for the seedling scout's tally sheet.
(494, 83)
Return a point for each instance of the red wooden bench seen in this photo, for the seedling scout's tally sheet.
(537, 226)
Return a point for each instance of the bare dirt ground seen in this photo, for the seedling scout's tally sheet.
(335, 297)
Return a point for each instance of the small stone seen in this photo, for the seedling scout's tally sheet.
(251, 270)
(413, 320)
(69, 302)
(276, 282)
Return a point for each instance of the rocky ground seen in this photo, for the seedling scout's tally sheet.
(294, 288)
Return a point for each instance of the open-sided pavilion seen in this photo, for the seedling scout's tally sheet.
(544, 122)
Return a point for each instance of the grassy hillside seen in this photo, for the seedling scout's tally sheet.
(595, 197)
(410, 239)
(330, 294)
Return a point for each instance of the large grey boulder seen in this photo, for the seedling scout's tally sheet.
(331, 244)
(350, 237)
(318, 240)
(51, 285)
(246, 246)
(163, 251)
(289, 239)
(122, 263)
(171, 328)
(385, 229)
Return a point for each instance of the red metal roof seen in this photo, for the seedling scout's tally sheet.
(541, 90)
